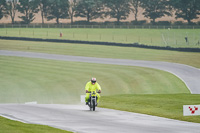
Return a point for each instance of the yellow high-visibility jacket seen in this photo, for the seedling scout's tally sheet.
(90, 87)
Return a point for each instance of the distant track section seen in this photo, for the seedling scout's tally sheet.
(189, 75)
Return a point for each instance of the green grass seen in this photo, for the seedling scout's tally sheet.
(163, 105)
(50, 81)
(10, 126)
(188, 58)
(157, 37)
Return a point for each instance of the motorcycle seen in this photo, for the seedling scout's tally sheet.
(92, 102)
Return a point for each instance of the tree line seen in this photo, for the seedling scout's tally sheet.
(93, 9)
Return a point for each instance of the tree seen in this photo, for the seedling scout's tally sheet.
(28, 8)
(91, 9)
(57, 9)
(72, 7)
(11, 8)
(118, 9)
(2, 8)
(156, 9)
(186, 9)
(43, 8)
(136, 4)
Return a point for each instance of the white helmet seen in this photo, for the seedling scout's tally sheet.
(93, 80)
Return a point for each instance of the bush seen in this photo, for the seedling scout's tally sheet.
(116, 23)
(81, 22)
(109, 23)
(163, 23)
(179, 23)
(192, 23)
(141, 22)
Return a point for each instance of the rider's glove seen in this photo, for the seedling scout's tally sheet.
(86, 91)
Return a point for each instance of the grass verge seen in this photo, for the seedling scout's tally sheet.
(51, 81)
(163, 105)
(10, 126)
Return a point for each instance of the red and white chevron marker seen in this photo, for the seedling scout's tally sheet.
(191, 110)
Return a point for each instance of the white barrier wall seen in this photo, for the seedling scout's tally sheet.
(191, 110)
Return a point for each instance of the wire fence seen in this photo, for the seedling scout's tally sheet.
(100, 26)
(178, 39)
(158, 36)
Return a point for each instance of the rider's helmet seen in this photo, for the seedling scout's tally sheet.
(93, 80)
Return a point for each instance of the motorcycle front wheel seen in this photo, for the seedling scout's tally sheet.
(93, 104)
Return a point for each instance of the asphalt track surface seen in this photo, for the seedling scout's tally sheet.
(78, 118)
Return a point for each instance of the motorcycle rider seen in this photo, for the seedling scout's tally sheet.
(90, 87)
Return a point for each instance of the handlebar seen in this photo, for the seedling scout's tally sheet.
(90, 92)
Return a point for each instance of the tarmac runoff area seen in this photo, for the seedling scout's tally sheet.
(78, 118)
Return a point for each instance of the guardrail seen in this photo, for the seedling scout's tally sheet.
(100, 26)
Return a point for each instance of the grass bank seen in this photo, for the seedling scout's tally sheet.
(50, 81)
(10, 126)
(155, 37)
(163, 105)
(187, 58)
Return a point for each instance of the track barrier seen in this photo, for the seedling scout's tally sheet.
(103, 43)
